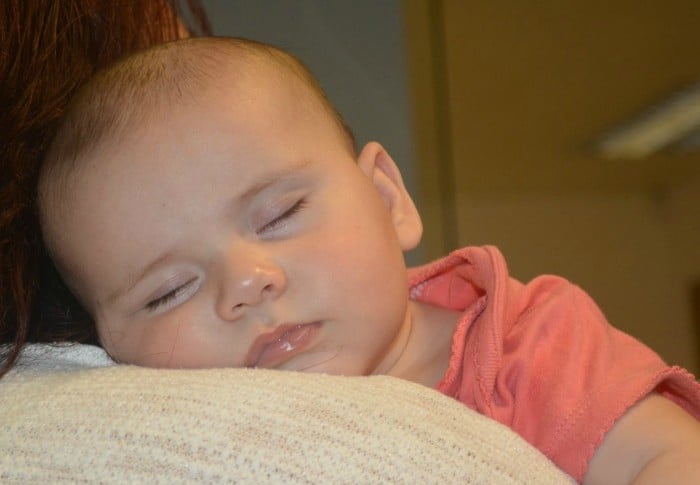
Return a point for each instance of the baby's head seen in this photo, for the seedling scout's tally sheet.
(204, 202)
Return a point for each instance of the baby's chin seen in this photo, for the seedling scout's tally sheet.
(317, 361)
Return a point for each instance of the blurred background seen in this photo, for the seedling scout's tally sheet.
(565, 133)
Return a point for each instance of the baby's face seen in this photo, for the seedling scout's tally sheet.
(238, 231)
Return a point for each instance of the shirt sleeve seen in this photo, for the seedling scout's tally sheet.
(542, 359)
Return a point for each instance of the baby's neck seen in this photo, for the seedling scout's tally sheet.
(427, 353)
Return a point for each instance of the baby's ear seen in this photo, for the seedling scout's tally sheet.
(376, 163)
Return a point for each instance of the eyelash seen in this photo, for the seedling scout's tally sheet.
(299, 205)
(154, 305)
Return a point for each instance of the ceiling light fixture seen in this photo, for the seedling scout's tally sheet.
(665, 124)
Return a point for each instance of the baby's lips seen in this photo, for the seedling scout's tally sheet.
(273, 348)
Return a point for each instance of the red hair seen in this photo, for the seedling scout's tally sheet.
(48, 49)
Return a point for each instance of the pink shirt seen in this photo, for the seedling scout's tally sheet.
(541, 358)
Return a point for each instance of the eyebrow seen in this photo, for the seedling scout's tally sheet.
(270, 179)
(265, 181)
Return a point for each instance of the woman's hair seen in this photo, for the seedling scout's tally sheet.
(48, 49)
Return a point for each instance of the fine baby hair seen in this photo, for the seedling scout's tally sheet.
(123, 97)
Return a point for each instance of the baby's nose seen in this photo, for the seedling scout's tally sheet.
(249, 283)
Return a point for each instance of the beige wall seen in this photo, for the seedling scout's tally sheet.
(630, 252)
(682, 231)
(508, 99)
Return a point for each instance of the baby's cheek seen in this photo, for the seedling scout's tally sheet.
(171, 343)
(366, 268)
(160, 345)
(192, 343)
(146, 344)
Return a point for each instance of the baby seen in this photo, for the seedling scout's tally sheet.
(205, 203)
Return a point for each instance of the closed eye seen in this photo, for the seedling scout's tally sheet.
(170, 296)
(282, 218)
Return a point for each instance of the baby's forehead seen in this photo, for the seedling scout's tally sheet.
(133, 94)
(146, 88)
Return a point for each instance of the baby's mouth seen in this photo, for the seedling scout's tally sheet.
(273, 348)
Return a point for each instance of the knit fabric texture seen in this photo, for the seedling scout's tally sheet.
(70, 416)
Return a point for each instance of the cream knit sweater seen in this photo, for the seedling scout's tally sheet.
(68, 416)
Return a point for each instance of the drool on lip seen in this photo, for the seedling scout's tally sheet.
(273, 348)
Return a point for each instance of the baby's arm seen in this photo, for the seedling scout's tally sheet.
(656, 441)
